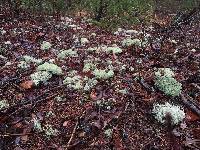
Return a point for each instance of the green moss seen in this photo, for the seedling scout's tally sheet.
(40, 76)
(51, 68)
(169, 85)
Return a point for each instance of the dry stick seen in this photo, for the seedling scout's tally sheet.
(189, 102)
(74, 131)
(72, 135)
(196, 86)
(15, 134)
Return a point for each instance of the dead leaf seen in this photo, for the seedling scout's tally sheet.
(27, 85)
(65, 124)
(93, 95)
(191, 116)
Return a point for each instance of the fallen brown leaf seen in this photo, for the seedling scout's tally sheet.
(27, 85)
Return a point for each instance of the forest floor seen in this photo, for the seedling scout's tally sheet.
(115, 113)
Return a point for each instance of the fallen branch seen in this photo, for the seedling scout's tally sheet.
(189, 102)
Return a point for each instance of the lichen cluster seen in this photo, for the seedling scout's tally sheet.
(45, 45)
(67, 53)
(166, 83)
(50, 68)
(160, 112)
(29, 59)
(26, 60)
(40, 77)
(74, 82)
(50, 131)
(114, 50)
(3, 104)
(103, 74)
(130, 42)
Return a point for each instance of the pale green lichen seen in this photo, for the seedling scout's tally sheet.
(161, 110)
(45, 45)
(84, 41)
(103, 74)
(37, 125)
(51, 68)
(29, 59)
(108, 133)
(164, 72)
(123, 91)
(40, 76)
(50, 131)
(114, 50)
(74, 82)
(67, 53)
(90, 83)
(92, 49)
(168, 85)
(129, 42)
(3, 104)
(23, 65)
(88, 66)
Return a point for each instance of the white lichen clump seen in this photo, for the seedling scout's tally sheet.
(103, 74)
(161, 110)
(67, 53)
(84, 41)
(88, 66)
(166, 72)
(29, 59)
(23, 65)
(3, 104)
(50, 131)
(37, 125)
(74, 82)
(130, 42)
(45, 45)
(166, 83)
(114, 50)
(40, 76)
(51, 68)
(90, 83)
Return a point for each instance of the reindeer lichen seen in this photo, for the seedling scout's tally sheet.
(160, 111)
